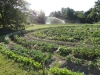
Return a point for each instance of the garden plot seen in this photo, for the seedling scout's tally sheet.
(84, 54)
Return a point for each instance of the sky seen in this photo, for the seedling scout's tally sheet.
(48, 6)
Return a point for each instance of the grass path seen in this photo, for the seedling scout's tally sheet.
(31, 27)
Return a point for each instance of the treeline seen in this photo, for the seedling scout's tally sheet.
(72, 16)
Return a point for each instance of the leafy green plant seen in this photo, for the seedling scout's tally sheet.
(19, 58)
(17, 39)
(37, 55)
(64, 51)
(62, 71)
(97, 63)
(71, 58)
(91, 64)
(78, 61)
(7, 40)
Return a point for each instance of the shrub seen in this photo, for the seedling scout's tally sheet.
(91, 64)
(7, 40)
(64, 51)
(71, 58)
(18, 39)
(62, 71)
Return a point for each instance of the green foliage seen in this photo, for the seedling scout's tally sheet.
(36, 55)
(13, 13)
(91, 64)
(97, 63)
(85, 39)
(64, 51)
(70, 34)
(19, 58)
(62, 71)
(71, 58)
(18, 39)
(85, 53)
(45, 47)
(9, 67)
(7, 40)
(66, 14)
(82, 47)
(97, 10)
(72, 16)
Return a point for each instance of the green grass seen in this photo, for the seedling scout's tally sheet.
(31, 27)
(46, 26)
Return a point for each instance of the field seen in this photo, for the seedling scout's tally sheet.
(61, 49)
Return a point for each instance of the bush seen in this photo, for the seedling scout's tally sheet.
(17, 39)
(64, 51)
(7, 40)
(71, 58)
(62, 71)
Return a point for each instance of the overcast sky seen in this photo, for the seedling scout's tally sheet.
(54, 5)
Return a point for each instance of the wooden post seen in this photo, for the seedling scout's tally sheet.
(43, 67)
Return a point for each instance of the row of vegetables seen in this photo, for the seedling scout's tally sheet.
(26, 61)
(43, 46)
(18, 58)
(71, 33)
(36, 55)
(75, 55)
(82, 52)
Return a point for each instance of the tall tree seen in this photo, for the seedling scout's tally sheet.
(41, 17)
(13, 13)
(97, 9)
(93, 15)
(80, 16)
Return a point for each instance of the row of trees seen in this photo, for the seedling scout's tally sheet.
(72, 16)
